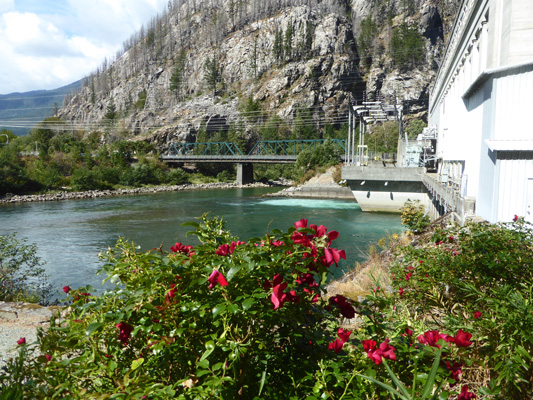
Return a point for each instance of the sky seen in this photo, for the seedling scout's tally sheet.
(46, 44)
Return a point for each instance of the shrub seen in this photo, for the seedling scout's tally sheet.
(14, 178)
(226, 176)
(230, 320)
(475, 278)
(176, 176)
(322, 156)
(141, 100)
(85, 179)
(22, 277)
(415, 128)
(225, 319)
(414, 216)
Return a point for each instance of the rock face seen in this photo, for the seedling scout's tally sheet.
(217, 65)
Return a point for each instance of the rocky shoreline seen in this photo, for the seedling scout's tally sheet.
(91, 194)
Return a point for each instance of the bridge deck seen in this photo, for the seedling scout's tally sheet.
(267, 159)
(264, 152)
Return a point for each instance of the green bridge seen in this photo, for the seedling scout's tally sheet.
(264, 152)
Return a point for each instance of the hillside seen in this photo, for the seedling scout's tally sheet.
(18, 111)
(203, 70)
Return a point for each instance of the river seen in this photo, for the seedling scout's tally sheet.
(70, 234)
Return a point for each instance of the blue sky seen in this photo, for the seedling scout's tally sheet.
(46, 44)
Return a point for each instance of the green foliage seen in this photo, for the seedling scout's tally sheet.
(274, 129)
(67, 142)
(141, 100)
(111, 111)
(302, 127)
(271, 172)
(87, 179)
(367, 40)
(277, 48)
(226, 176)
(384, 138)
(208, 322)
(307, 42)
(176, 80)
(6, 136)
(42, 136)
(47, 174)
(177, 176)
(252, 67)
(414, 128)
(228, 319)
(414, 216)
(213, 74)
(22, 277)
(331, 133)
(14, 178)
(67, 160)
(250, 107)
(287, 45)
(324, 155)
(406, 47)
(476, 278)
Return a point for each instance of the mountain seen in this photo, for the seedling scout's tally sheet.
(20, 112)
(204, 68)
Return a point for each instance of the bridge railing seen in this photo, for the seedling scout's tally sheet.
(204, 149)
(270, 148)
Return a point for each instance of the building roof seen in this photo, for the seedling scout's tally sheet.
(509, 145)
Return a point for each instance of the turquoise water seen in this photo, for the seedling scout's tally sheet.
(70, 234)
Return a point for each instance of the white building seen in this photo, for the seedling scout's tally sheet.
(482, 107)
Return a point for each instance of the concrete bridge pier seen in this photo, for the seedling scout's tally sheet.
(245, 173)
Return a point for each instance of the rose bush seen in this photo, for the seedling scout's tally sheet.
(225, 319)
(230, 319)
(476, 279)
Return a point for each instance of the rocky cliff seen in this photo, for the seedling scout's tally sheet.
(248, 66)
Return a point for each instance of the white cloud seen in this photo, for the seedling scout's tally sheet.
(32, 36)
(7, 5)
(52, 47)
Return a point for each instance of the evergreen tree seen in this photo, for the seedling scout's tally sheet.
(212, 74)
(176, 80)
(287, 46)
(406, 47)
(308, 39)
(278, 46)
(303, 125)
(111, 111)
(93, 91)
(367, 38)
(253, 62)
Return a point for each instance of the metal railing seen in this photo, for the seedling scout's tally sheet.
(287, 150)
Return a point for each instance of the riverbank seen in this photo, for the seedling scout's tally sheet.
(58, 196)
(322, 186)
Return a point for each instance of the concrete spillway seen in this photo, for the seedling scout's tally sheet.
(385, 188)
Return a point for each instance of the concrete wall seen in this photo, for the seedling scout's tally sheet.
(484, 92)
(385, 189)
